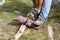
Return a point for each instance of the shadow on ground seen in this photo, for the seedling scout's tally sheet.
(14, 23)
(15, 6)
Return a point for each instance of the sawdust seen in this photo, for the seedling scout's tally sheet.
(27, 31)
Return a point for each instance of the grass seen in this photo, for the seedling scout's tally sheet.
(8, 27)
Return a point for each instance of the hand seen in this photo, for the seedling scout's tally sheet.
(29, 15)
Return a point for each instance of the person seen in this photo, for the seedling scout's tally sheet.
(40, 11)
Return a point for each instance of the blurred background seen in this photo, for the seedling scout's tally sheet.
(11, 9)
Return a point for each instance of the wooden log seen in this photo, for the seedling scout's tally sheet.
(50, 32)
(19, 33)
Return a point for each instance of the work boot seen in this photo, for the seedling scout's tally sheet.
(28, 22)
(39, 23)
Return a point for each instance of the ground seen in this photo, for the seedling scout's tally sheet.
(13, 8)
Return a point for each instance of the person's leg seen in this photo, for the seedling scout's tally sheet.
(39, 4)
(43, 14)
(45, 9)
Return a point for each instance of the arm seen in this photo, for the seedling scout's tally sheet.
(39, 4)
(38, 7)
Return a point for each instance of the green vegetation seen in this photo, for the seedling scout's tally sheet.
(8, 27)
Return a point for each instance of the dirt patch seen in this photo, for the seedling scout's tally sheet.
(27, 31)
